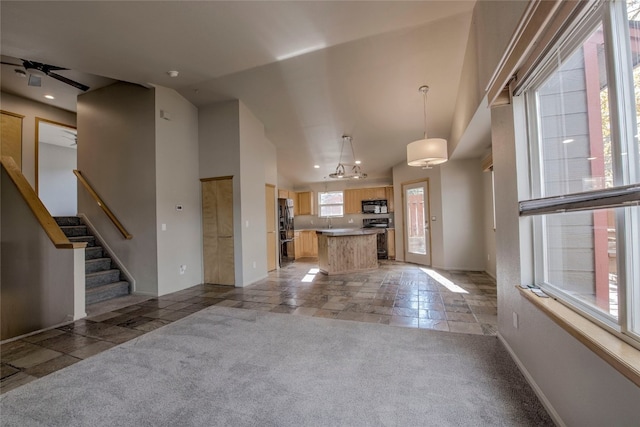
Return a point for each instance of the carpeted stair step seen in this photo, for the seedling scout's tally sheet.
(93, 252)
(102, 278)
(74, 230)
(67, 220)
(91, 240)
(97, 264)
(105, 292)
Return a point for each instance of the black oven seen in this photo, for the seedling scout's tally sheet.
(374, 206)
(381, 225)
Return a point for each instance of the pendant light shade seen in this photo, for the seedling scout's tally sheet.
(427, 152)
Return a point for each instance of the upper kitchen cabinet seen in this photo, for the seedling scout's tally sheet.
(304, 203)
(353, 198)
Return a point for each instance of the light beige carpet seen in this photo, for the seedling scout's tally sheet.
(232, 367)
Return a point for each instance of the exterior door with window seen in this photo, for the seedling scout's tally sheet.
(417, 242)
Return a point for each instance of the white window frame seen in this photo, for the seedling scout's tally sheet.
(626, 190)
(321, 205)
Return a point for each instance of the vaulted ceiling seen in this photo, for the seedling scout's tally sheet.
(310, 71)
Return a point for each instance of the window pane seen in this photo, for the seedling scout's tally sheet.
(580, 257)
(573, 117)
(331, 210)
(331, 198)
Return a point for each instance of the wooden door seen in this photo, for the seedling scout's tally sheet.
(217, 229)
(270, 203)
(11, 136)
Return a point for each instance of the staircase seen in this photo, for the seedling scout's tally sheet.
(103, 278)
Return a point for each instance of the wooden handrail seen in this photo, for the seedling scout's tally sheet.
(49, 225)
(104, 207)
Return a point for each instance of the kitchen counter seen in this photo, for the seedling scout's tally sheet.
(347, 250)
(346, 231)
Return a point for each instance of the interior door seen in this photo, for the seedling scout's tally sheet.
(217, 229)
(270, 203)
(417, 236)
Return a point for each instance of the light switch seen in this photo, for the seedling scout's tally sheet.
(164, 227)
(433, 218)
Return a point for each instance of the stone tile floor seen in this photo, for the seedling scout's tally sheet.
(396, 294)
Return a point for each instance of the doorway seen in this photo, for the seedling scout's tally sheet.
(417, 236)
(56, 158)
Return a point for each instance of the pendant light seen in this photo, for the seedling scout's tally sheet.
(426, 152)
(341, 170)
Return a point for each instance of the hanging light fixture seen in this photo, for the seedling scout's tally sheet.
(426, 152)
(348, 170)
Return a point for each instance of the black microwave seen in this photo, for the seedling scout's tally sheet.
(374, 206)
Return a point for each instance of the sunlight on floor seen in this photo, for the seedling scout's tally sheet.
(310, 275)
(444, 281)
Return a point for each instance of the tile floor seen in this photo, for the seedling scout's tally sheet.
(396, 294)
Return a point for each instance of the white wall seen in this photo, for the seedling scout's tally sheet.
(116, 153)
(489, 231)
(177, 183)
(462, 215)
(257, 157)
(30, 110)
(57, 185)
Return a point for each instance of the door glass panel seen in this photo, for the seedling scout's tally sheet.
(416, 236)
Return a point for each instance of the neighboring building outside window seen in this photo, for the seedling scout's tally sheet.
(583, 109)
(330, 203)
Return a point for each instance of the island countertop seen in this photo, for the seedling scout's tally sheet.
(333, 232)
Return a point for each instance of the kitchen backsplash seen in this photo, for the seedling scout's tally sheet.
(302, 222)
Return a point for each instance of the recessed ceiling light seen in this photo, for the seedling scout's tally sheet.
(172, 73)
(358, 162)
(316, 166)
(568, 140)
(49, 97)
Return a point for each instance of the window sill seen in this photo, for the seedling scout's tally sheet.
(617, 353)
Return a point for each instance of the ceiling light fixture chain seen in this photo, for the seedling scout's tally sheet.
(341, 172)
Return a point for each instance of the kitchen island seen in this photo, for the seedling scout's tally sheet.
(347, 250)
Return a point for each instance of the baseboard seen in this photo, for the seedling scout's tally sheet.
(115, 259)
(254, 282)
(545, 402)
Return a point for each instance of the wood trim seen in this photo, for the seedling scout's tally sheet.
(621, 356)
(270, 185)
(216, 178)
(102, 205)
(9, 113)
(37, 146)
(487, 163)
(41, 213)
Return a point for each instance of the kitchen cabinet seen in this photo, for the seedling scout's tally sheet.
(306, 243)
(304, 203)
(391, 243)
(297, 245)
(353, 198)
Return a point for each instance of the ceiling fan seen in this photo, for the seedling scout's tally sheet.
(73, 136)
(36, 70)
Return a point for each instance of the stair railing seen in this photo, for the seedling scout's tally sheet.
(41, 213)
(102, 205)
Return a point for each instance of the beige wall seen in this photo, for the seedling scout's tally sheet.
(39, 282)
(177, 183)
(116, 153)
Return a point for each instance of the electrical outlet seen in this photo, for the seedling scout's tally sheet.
(515, 320)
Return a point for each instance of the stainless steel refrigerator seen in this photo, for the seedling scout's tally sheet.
(285, 225)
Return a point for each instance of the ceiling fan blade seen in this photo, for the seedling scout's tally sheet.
(9, 63)
(70, 82)
(34, 80)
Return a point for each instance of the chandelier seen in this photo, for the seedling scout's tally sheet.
(348, 170)
(426, 152)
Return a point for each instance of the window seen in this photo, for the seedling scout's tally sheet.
(331, 203)
(583, 109)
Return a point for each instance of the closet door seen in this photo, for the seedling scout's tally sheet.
(217, 229)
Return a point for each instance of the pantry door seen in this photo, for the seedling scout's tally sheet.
(417, 236)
